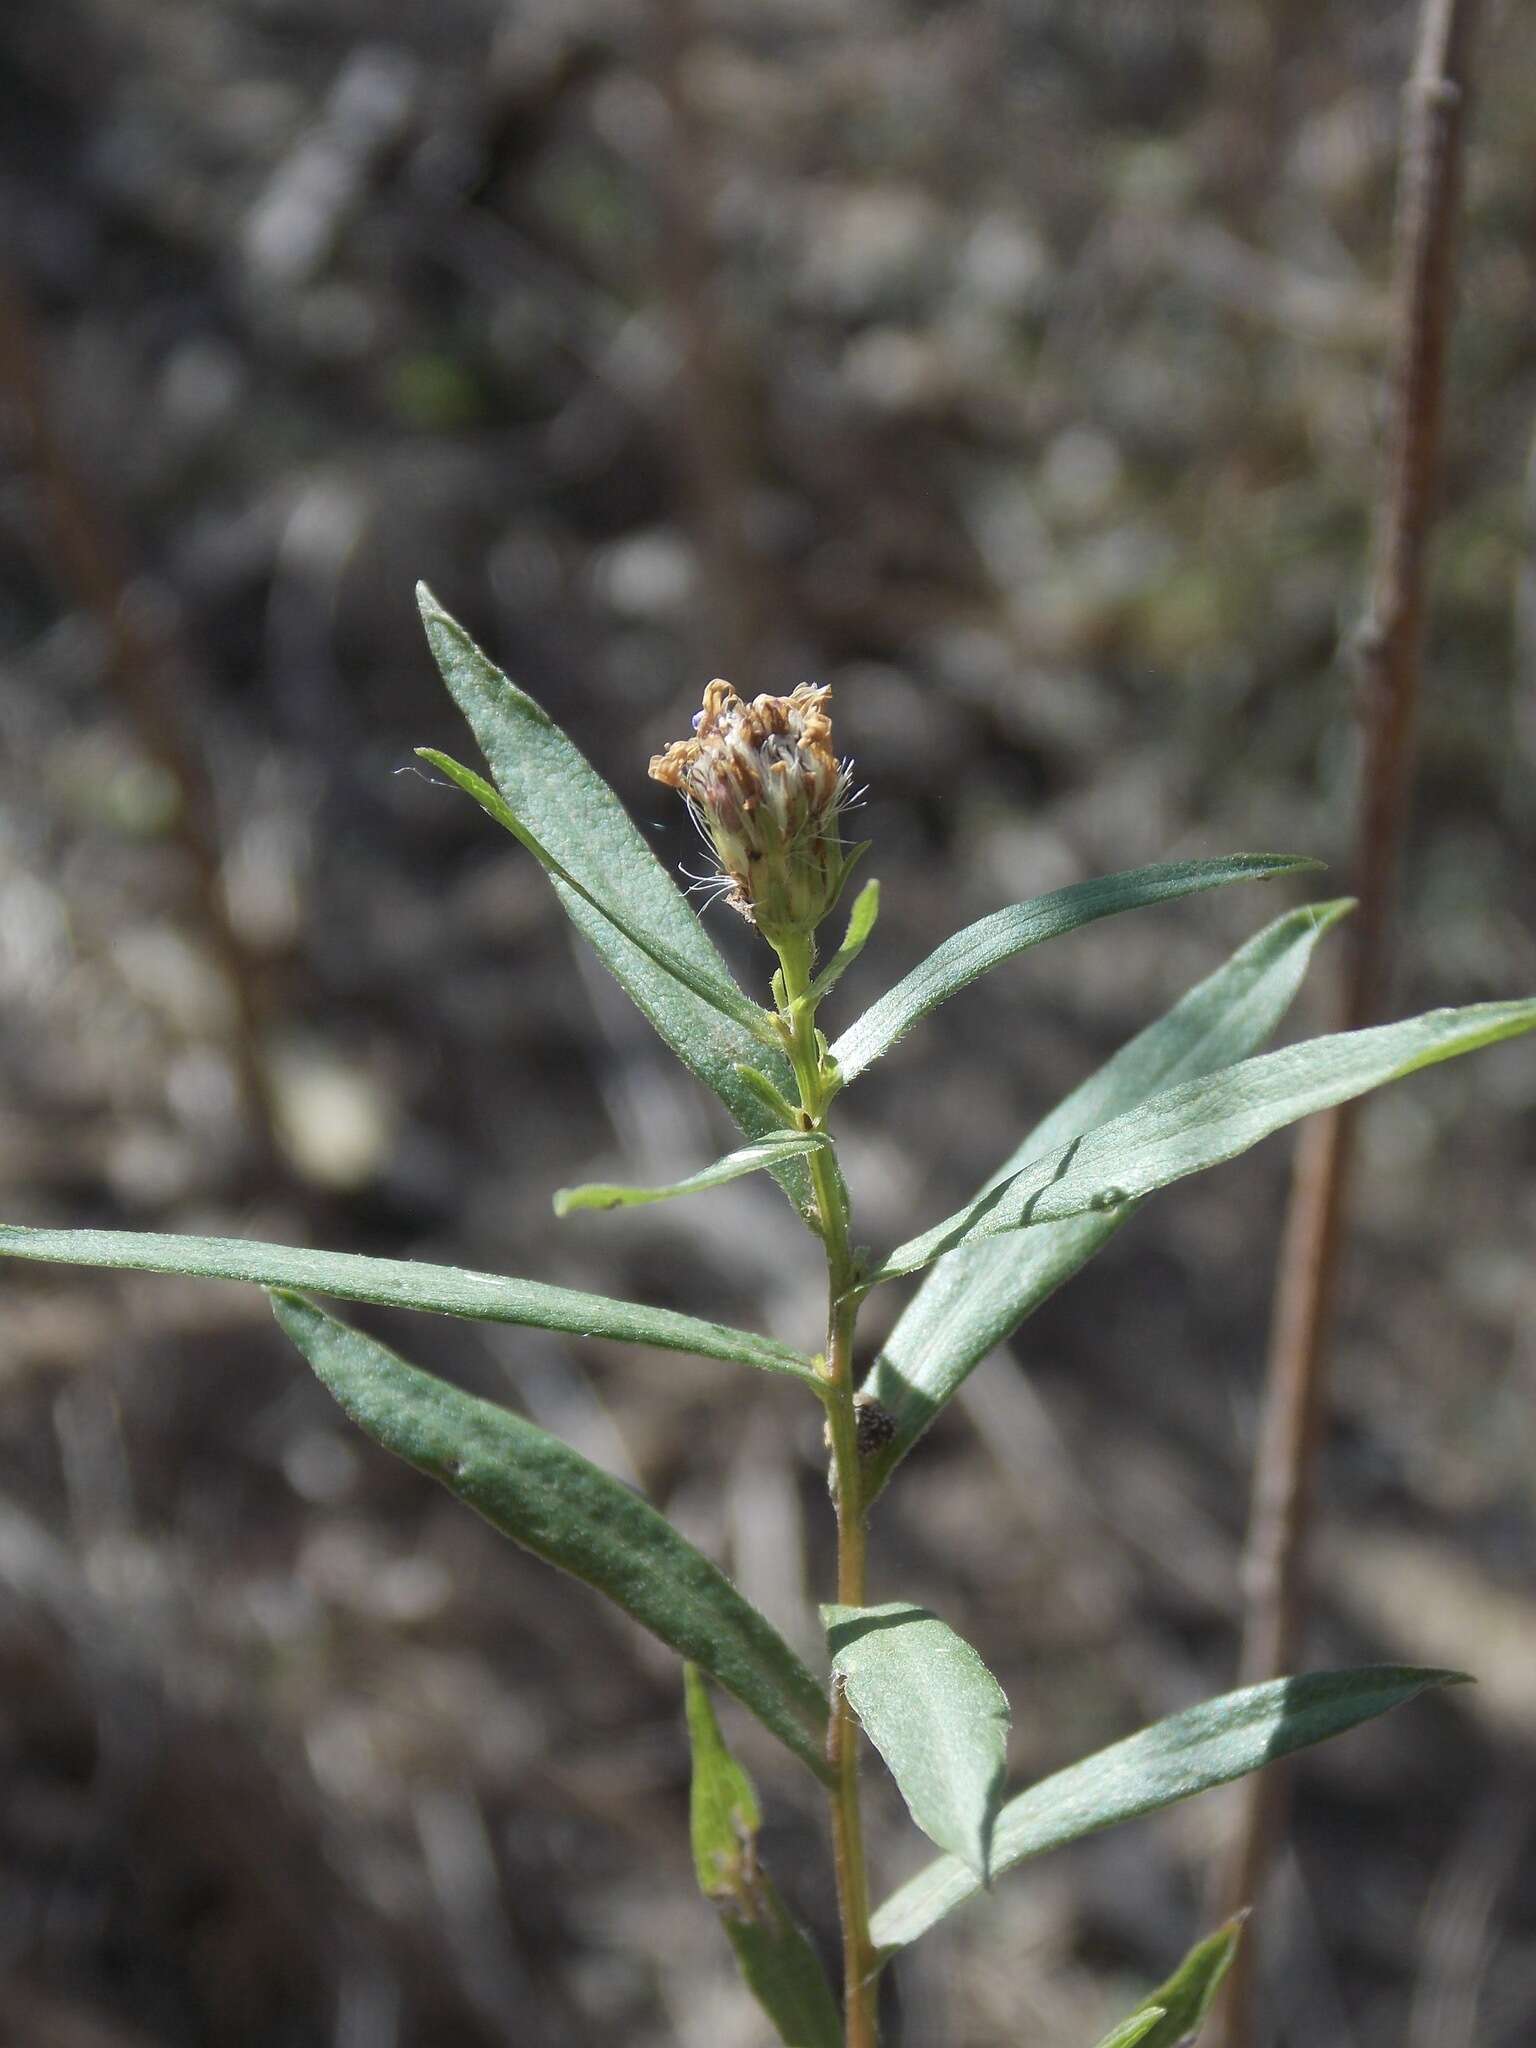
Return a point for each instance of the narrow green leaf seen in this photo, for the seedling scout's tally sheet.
(1172, 2016)
(779, 1965)
(405, 1283)
(782, 1112)
(1203, 1122)
(561, 801)
(1135, 2029)
(972, 1299)
(935, 1713)
(765, 1152)
(784, 1974)
(732, 1003)
(549, 1499)
(723, 1813)
(861, 922)
(1207, 1745)
(991, 940)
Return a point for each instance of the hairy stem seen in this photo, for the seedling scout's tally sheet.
(815, 1085)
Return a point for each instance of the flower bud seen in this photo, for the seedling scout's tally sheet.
(765, 789)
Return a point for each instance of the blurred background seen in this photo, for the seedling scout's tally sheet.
(1014, 367)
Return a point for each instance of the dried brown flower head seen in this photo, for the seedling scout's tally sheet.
(766, 790)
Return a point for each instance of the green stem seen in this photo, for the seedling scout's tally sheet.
(815, 1083)
(843, 1729)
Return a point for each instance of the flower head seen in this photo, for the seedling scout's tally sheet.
(766, 789)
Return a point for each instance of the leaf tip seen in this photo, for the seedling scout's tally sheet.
(439, 623)
(1269, 865)
(293, 1311)
(1417, 1678)
(590, 1195)
(1327, 914)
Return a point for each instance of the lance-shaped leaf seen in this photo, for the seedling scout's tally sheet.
(753, 1158)
(729, 1002)
(781, 1111)
(563, 803)
(861, 922)
(1207, 1745)
(972, 1299)
(405, 1283)
(1174, 2013)
(991, 940)
(779, 1965)
(1186, 1129)
(553, 1502)
(935, 1713)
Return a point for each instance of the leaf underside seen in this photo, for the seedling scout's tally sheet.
(552, 1501)
(730, 1002)
(972, 1299)
(1189, 1752)
(1006, 933)
(405, 1283)
(1204, 1122)
(934, 1712)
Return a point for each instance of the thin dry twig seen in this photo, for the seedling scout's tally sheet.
(708, 402)
(1390, 649)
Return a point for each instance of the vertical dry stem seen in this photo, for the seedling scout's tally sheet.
(708, 400)
(1390, 656)
(148, 667)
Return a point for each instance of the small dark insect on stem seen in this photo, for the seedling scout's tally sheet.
(1390, 652)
